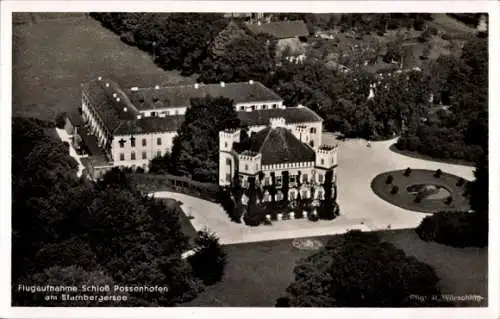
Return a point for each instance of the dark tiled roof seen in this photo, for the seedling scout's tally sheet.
(180, 96)
(279, 145)
(150, 125)
(281, 29)
(291, 115)
(111, 111)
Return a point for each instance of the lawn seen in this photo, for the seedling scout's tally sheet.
(52, 57)
(434, 201)
(259, 273)
(451, 26)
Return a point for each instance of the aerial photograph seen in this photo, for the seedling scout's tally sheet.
(253, 159)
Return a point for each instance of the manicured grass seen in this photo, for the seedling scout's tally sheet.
(259, 273)
(406, 200)
(52, 58)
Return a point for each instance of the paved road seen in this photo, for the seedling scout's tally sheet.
(360, 208)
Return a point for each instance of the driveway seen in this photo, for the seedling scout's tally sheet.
(360, 208)
(64, 136)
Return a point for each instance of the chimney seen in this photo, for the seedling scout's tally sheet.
(197, 85)
(100, 78)
(107, 84)
(222, 84)
(157, 87)
(251, 81)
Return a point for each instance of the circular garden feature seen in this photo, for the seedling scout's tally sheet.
(422, 190)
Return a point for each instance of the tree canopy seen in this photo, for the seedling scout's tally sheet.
(195, 151)
(66, 228)
(358, 270)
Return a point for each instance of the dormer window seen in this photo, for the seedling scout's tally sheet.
(242, 108)
(122, 143)
(253, 107)
(153, 113)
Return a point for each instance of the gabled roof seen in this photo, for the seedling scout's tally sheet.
(279, 145)
(292, 115)
(180, 96)
(280, 29)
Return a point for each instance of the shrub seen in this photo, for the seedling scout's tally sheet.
(446, 37)
(389, 179)
(253, 219)
(407, 172)
(460, 182)
(449, 199)
(419, 197)
(61, 120)
(210, 260)
(438, 173)
(312, 217)
(394, 189)
(457, 229)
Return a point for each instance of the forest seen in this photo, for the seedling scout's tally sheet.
(72, 231)
(451, 126)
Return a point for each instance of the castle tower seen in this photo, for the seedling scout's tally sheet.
(228, 162)
(249, 164)
(326, 160)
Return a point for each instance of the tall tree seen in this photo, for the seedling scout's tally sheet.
(196, 147)
(358, 270)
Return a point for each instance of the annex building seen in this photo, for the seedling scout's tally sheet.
(128, 127)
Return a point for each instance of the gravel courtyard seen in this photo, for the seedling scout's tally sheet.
(360, 208)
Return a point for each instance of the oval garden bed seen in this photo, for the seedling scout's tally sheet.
(422, 190)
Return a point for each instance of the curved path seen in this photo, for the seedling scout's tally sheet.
(360, 208)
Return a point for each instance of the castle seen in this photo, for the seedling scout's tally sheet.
(128, 127)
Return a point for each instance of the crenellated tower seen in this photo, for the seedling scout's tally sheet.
(228, 161)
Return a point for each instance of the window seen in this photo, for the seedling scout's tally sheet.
(320, 178)
(132, 156)
(278, 180)
(144, 142)
(253, 107)
(266, 180)
(242, 108)
(225, 144)
(144, 155)
(153, 113)
(275, 106)
(176, 112)
(304, 178)
(257, 167)
(158, 153)
(228, 177)
(264, 106)
(311, 142)
(122, 157)
(292, 178)
(228, 161)
(132, 141)
(322, 161)
(158, 141)
(167, 113)
(313, 130)
(122, 143)
(246, 167)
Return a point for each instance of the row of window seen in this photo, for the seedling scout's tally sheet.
(132, 142)
(133, 156)
(167, 113)
(279, 179)
(264, 107)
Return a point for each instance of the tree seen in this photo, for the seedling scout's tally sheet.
(210, 259)
(358, 270)
(196, 147)
(245, 58)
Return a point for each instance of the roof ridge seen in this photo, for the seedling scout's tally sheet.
(265, 139)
